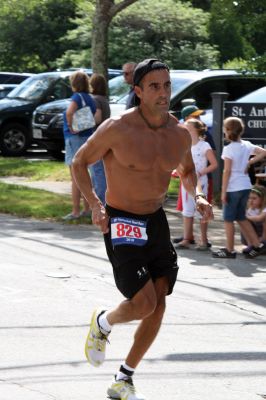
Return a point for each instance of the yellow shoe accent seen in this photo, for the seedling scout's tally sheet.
(96, 342)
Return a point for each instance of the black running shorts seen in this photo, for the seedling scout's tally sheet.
(139, 248)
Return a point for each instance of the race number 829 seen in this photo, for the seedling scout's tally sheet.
(128, 231)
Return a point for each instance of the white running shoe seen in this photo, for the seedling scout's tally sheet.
(124, 390)
(96, 341)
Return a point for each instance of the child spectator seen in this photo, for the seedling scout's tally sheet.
(236, 186)
(189, 112)
(256, 213)
(202, 154)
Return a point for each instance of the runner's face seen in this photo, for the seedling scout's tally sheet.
(155, 90)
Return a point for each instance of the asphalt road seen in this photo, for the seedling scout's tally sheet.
(212, 345)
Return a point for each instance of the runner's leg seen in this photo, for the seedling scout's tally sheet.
(149, 326)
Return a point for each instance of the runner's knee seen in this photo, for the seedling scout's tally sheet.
(145, 307)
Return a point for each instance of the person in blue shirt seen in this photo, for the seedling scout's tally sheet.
(74, 140)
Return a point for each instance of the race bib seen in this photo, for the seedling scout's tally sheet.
(128, 231)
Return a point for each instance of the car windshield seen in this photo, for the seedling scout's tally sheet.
(258, 96)
(178, 84)
(32, 88)
(118, 88)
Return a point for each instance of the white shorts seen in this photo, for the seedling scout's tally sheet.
(188, 202)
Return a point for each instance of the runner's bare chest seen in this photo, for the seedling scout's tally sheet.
(148, 149)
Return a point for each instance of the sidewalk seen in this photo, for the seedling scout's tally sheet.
(51, 186)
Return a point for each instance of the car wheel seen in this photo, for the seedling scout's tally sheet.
(57, 154)
(14, 140)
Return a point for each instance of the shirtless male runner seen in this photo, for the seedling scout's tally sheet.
(140, 149)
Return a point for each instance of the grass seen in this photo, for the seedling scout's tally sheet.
(173, 187)
(40, 204)
(27, 202)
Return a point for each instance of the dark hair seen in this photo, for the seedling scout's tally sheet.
(234, 127)
(198, 125)
(143, 68)
(79, 81)
(146, 66)
(98, 84)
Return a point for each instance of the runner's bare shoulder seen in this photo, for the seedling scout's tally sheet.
(180, 129)
(118, 124)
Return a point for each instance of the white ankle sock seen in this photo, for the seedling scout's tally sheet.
(125, 372)
(105, 327)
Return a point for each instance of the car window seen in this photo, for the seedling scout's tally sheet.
(178, 84)
(241, 86)
(61, 89)
(32, 88)
(118, 88)
(202, 92)
(258, 96)
(12, 78)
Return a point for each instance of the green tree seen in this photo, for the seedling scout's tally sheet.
(30, 33)
(226, 30)
(203, 4)
(105, 11)
(78, 53)
(238, 28)
(252, 15)
(147, 28)
(163, 30)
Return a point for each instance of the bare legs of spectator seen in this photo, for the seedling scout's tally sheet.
(247, 231)
(188, 231)
(76, 197)
(203, 230)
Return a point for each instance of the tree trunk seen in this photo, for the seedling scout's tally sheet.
(105, 10)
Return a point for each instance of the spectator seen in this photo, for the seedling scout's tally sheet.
(193, 111)
(256, 213)
(99, 91)
(188, 112)
(202, 155)
(79, 81)
(236, 186)
(128, 71)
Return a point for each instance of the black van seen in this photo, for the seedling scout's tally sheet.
(17, 107)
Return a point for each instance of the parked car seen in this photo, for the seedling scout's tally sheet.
(48, 119)
(17, 107)
(10, 80)
(251, 108)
